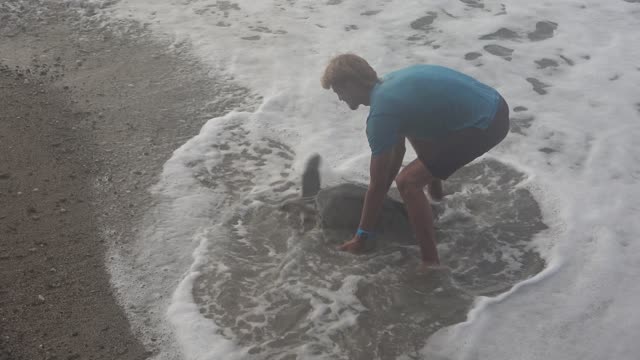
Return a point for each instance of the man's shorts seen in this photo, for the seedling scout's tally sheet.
(460, 147)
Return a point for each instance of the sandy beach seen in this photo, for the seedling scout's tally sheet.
(89, 115)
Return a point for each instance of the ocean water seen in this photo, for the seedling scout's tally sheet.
(540, 234)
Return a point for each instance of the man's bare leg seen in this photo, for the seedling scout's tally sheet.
(411, 182)
(426, 148)
(435, 189)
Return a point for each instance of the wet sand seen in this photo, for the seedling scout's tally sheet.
(89, 116)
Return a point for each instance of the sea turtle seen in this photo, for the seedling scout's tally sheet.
(337, 209)
(484, 228)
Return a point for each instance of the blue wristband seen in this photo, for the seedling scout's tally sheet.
(369, 234)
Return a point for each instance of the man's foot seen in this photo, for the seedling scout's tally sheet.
(353, 246)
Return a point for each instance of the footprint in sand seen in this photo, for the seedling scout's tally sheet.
(545, 63)
(501, 34)
(520, 123)
(538, 86)
(544, 30)
(500, 51)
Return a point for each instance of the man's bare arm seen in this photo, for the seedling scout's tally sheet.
(396, 162)
(380, 168)
(379, 175)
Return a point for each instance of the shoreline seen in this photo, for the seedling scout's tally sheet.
(90, 116)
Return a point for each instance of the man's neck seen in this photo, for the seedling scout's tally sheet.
(369, 90)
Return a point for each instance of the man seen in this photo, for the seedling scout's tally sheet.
(448, 117)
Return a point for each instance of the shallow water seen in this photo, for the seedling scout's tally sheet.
(279, 288)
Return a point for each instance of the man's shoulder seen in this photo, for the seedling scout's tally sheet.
(415, 70)
(383, 100)
(401, 88)
(411, 76)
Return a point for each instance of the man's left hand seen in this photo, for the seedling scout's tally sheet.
(355, 245)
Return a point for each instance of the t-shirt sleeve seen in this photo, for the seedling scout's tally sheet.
(382, 133)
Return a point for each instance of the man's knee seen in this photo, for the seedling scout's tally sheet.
(408, 183)
(414, 177)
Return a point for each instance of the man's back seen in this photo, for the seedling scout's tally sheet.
(427, 101)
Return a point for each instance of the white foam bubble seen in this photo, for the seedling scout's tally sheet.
(199, 335)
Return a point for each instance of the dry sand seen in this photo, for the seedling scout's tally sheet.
(88, 115)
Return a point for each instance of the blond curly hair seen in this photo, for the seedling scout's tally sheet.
(348, 67)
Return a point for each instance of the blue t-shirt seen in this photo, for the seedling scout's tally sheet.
(427, 102)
